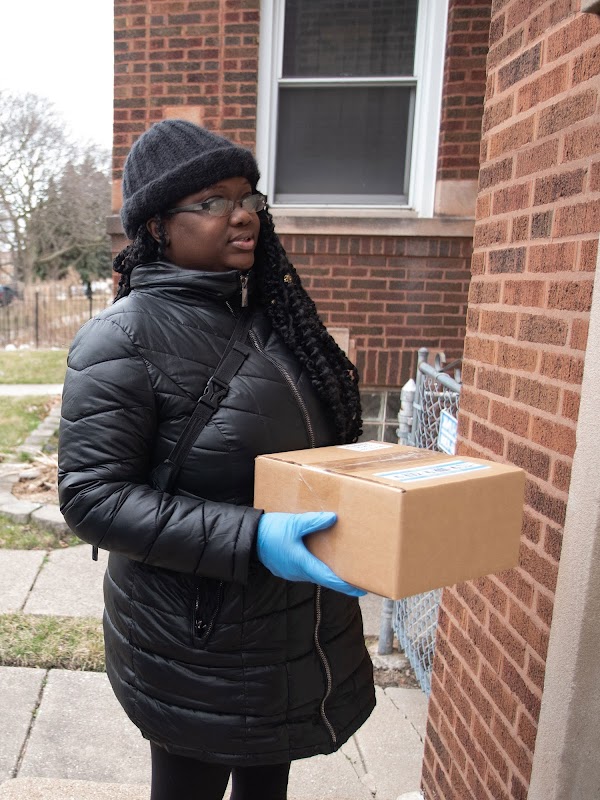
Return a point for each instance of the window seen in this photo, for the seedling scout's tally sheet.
(380, 409)
(349, 95)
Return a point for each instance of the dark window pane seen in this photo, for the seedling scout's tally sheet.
(392, 406)
(343, 143)
(371, 432)
(371, 403)
(390, 435)
(346, 38)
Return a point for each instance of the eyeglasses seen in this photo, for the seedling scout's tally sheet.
(223, 206)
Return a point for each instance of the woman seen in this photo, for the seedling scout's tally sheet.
(228, 644)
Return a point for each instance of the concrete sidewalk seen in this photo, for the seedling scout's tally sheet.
(65, 737)
(25, 389)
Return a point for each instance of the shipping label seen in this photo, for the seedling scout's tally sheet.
(432, 472)
(364, 446)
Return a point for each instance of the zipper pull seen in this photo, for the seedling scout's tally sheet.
(244, 282)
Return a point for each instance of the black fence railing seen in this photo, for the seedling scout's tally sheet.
(49, 314)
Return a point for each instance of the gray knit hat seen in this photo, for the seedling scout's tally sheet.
(175, 158)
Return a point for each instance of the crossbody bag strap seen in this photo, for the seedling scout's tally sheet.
(165, 474)
(234, 355)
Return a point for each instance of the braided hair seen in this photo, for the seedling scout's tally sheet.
(292, 313)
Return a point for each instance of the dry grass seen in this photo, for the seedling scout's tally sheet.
(33, 366)
(19, 416)
(23, 536)
(29, 640)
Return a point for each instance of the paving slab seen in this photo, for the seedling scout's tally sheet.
(413, 704)
(26, 389)
(19, 510)
(47, 789)
(370, 606)
(50, 518)
(6, 495)
(69, 584)
(19, 691)
(330, 777)
(391, 749)
(81, 733)
(18, 569)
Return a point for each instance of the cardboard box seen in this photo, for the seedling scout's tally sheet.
(409, 520)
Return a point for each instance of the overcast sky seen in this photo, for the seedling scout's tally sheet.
(63, 50)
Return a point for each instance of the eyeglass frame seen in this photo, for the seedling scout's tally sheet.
(201, 207)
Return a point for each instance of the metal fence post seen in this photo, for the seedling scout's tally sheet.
(405, 415)
(37, 319)
(422, 358)
(414, 619)
(386, 630)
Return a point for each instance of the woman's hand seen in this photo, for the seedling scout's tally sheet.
(280, 548)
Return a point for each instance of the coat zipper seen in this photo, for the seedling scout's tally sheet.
(244, 283)
(312, 442)
(292, 386)
(326, 667)
(202, 628)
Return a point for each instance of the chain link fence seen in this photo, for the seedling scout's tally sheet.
(435, 393)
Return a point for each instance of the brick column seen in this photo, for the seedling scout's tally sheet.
(462, 106)
(535, 247)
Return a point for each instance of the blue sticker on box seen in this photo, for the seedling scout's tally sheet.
(431, 472)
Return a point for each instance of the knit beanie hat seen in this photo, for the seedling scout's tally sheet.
(175, 158)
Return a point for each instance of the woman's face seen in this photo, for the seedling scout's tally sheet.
(197, 240)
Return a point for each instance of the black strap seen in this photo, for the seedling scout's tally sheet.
(165, 474)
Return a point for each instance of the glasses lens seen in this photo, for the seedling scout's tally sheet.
(254, 202)
(219, 206)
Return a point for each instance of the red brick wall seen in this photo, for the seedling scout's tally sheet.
(463, 89)
(185, 53)
(395, 294)
(535, 250)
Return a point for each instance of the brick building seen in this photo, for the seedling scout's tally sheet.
(383, 240)
(369, 128)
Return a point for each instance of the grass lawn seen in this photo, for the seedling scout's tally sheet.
(22, 536)
(31, 640)
(33, 366)
(19, 416)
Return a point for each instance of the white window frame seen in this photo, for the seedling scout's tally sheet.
(430, 48)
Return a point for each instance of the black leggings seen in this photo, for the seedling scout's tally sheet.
(181, 778)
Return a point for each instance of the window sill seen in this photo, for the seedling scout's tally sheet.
(353, 222)
(367, 222)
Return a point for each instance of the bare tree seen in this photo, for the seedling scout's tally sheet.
(34, 150)
(67, 230)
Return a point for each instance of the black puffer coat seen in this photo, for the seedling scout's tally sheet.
(210, 654)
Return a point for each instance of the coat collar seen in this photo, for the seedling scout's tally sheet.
(190, 283)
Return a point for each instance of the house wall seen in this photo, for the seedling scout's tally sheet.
(395, 284)
(535, 251)
(462, 103)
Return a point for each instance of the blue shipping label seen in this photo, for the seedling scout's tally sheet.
(431, 472)
(447, 433)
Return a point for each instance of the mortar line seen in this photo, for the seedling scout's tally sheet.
(38, 702)
(35, 577)
(363, 760)
(363, 764)
(408, 719)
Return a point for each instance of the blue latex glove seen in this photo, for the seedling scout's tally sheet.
(280, 548)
